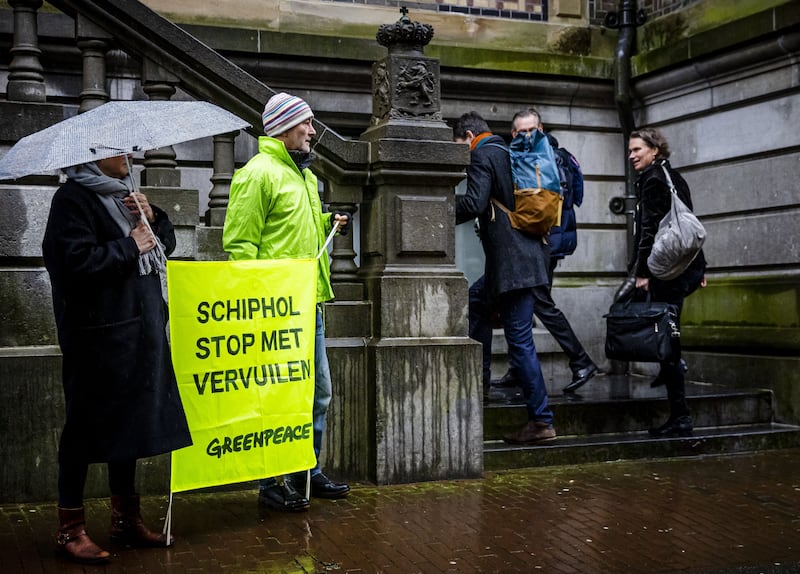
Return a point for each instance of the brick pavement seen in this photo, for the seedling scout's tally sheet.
(739, 513)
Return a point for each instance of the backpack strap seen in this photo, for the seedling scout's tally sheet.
(489, 144)
(508, 151)
(494, 202)
(508, 212)
(501, 206)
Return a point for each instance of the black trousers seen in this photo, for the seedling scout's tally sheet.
(544, 308)
(556, 323)
(72, 480)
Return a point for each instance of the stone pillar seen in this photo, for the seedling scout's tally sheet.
(426, 371)
(221, 179)
(93, 43)
(160, 166)
(25, 79)
(344, 271)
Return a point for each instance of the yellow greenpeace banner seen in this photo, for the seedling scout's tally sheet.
(242, 336)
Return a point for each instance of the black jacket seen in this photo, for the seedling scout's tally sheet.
(121, 395)
(514, 260)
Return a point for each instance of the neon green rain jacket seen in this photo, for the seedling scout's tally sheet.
(274, 212)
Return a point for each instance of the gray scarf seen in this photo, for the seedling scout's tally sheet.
(111, 192)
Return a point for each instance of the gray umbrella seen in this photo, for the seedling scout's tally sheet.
(113, 129)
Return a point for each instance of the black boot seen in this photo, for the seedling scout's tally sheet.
(679, 422)
(680, 426)
(283, 496)
(659, 380)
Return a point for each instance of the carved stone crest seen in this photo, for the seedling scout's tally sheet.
(406, 83)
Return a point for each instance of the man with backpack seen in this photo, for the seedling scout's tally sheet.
(516, 265)
(563, 239)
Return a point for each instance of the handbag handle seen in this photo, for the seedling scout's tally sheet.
(628, 297)
(669, 179)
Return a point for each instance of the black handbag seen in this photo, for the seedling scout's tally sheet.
(643, 331)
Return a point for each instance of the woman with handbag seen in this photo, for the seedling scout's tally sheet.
(648, 152)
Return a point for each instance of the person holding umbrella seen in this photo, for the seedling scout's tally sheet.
(275, 212)
(104, 248)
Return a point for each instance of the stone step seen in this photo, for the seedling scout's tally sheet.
(639, 445)
(609, 419)
(627, 403)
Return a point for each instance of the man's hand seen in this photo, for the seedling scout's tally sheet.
(344, 221)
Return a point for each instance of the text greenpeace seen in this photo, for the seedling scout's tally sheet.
(242, 336)
(259, 439)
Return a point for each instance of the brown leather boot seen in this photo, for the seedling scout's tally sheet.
(532, 432)
(73, 541)
(128, 527)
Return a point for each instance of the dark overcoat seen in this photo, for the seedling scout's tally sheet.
(121, 396)
(514, 260)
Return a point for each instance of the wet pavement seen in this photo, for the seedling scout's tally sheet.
(738, 513)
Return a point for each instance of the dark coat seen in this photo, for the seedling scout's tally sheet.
(654, 200)
(121, 395)
(514, 260)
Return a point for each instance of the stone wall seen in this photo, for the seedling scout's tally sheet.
(728, 114)
(730, 128)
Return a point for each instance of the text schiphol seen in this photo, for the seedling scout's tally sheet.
(245, 309)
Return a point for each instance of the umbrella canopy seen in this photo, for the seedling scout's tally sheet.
(113, 129)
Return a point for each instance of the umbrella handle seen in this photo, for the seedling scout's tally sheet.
(139, 206)
(147, 223)
(328, 240)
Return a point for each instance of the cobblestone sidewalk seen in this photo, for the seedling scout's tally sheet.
(724, 514)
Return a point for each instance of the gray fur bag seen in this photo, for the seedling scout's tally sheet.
(678, 241)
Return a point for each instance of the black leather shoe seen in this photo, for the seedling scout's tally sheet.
(501, 395)
(507, 381)
(283, 497)
(580, 378)
(681, 426)
(324, 487)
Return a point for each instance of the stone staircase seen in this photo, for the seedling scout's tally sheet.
(609, 418)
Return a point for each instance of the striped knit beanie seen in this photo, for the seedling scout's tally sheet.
(283, 112)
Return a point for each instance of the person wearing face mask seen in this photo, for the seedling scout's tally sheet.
(562, 240)
(275, 212)
(105, 250)
(648, 152)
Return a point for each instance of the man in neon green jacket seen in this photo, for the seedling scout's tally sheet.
(275, 212)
